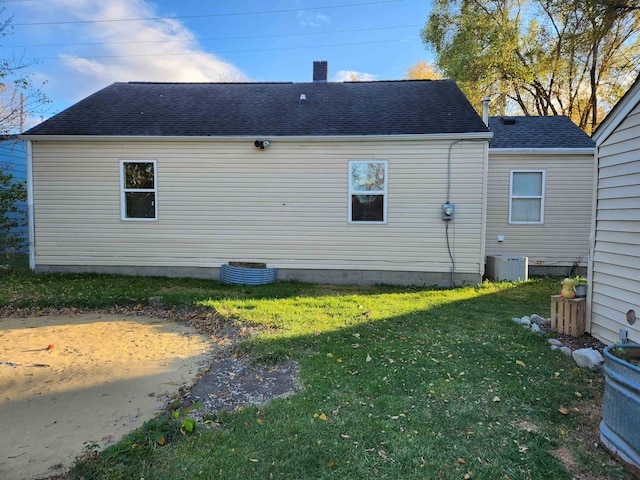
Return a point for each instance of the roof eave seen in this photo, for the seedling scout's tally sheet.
(542, 151)
(619, 112)
(333, 138)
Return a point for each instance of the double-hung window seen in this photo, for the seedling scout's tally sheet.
(526, 200)
(368, 191)
(138, 190)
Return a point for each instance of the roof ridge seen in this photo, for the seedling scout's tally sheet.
(203, 83)
(402, 80)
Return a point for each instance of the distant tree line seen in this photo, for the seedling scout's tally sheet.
(538, 57)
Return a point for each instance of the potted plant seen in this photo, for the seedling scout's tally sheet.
(580, 286)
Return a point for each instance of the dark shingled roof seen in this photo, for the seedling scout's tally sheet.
(537, 132)
(269, 109)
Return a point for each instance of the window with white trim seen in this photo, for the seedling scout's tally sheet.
(368, 191)
(138, 190)
(526, 199)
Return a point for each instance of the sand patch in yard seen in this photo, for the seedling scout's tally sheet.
(104, 376)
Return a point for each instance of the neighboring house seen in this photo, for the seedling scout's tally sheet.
(540, 190)
(614, 270)
(13, 160)
(328, 182)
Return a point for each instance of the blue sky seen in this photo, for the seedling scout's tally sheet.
(84, 45)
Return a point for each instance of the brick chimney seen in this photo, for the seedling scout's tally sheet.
(320, 71)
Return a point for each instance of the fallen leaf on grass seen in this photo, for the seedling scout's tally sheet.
(520, 363)
(564, 411)
(382, 454)
(331, 464)
(323, 417)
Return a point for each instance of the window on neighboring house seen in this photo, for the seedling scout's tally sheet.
(138, 190)
(368, 191)
(526, 202)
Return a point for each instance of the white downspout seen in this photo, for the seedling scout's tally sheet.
(32, 246)
(592, 237)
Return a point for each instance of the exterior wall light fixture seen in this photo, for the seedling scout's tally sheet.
(262, 144)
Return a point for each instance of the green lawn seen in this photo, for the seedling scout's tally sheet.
(398, 383)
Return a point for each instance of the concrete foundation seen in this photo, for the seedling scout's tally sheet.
(334, 277)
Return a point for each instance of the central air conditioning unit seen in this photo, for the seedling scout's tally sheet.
(511, 268)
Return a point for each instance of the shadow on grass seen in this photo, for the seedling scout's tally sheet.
(397, 383)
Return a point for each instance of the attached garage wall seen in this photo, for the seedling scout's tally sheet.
(287, 206)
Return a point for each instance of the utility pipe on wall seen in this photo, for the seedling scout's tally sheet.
(485, 110)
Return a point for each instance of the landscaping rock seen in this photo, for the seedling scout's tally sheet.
(588, 358)
(584, 357)
(538, 320)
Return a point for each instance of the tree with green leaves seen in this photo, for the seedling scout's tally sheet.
(539, 57)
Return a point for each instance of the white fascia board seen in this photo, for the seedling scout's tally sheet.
(335, 138)
(619, 112)
(541, 151)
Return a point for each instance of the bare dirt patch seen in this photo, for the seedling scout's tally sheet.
(69, 378)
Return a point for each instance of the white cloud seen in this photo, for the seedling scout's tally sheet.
(313, 20)
(148, 50)
(351, 75)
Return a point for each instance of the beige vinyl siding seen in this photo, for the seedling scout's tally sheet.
(563, 238)
(616, 257)
(287, 205)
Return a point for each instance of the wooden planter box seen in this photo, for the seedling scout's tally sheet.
(568, 315)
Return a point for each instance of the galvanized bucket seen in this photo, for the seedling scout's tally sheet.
(620, 426)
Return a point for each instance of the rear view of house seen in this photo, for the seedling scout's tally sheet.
(327, 182)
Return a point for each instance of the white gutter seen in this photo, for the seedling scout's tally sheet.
(541, 151)
(252, 138)
(32, 246)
